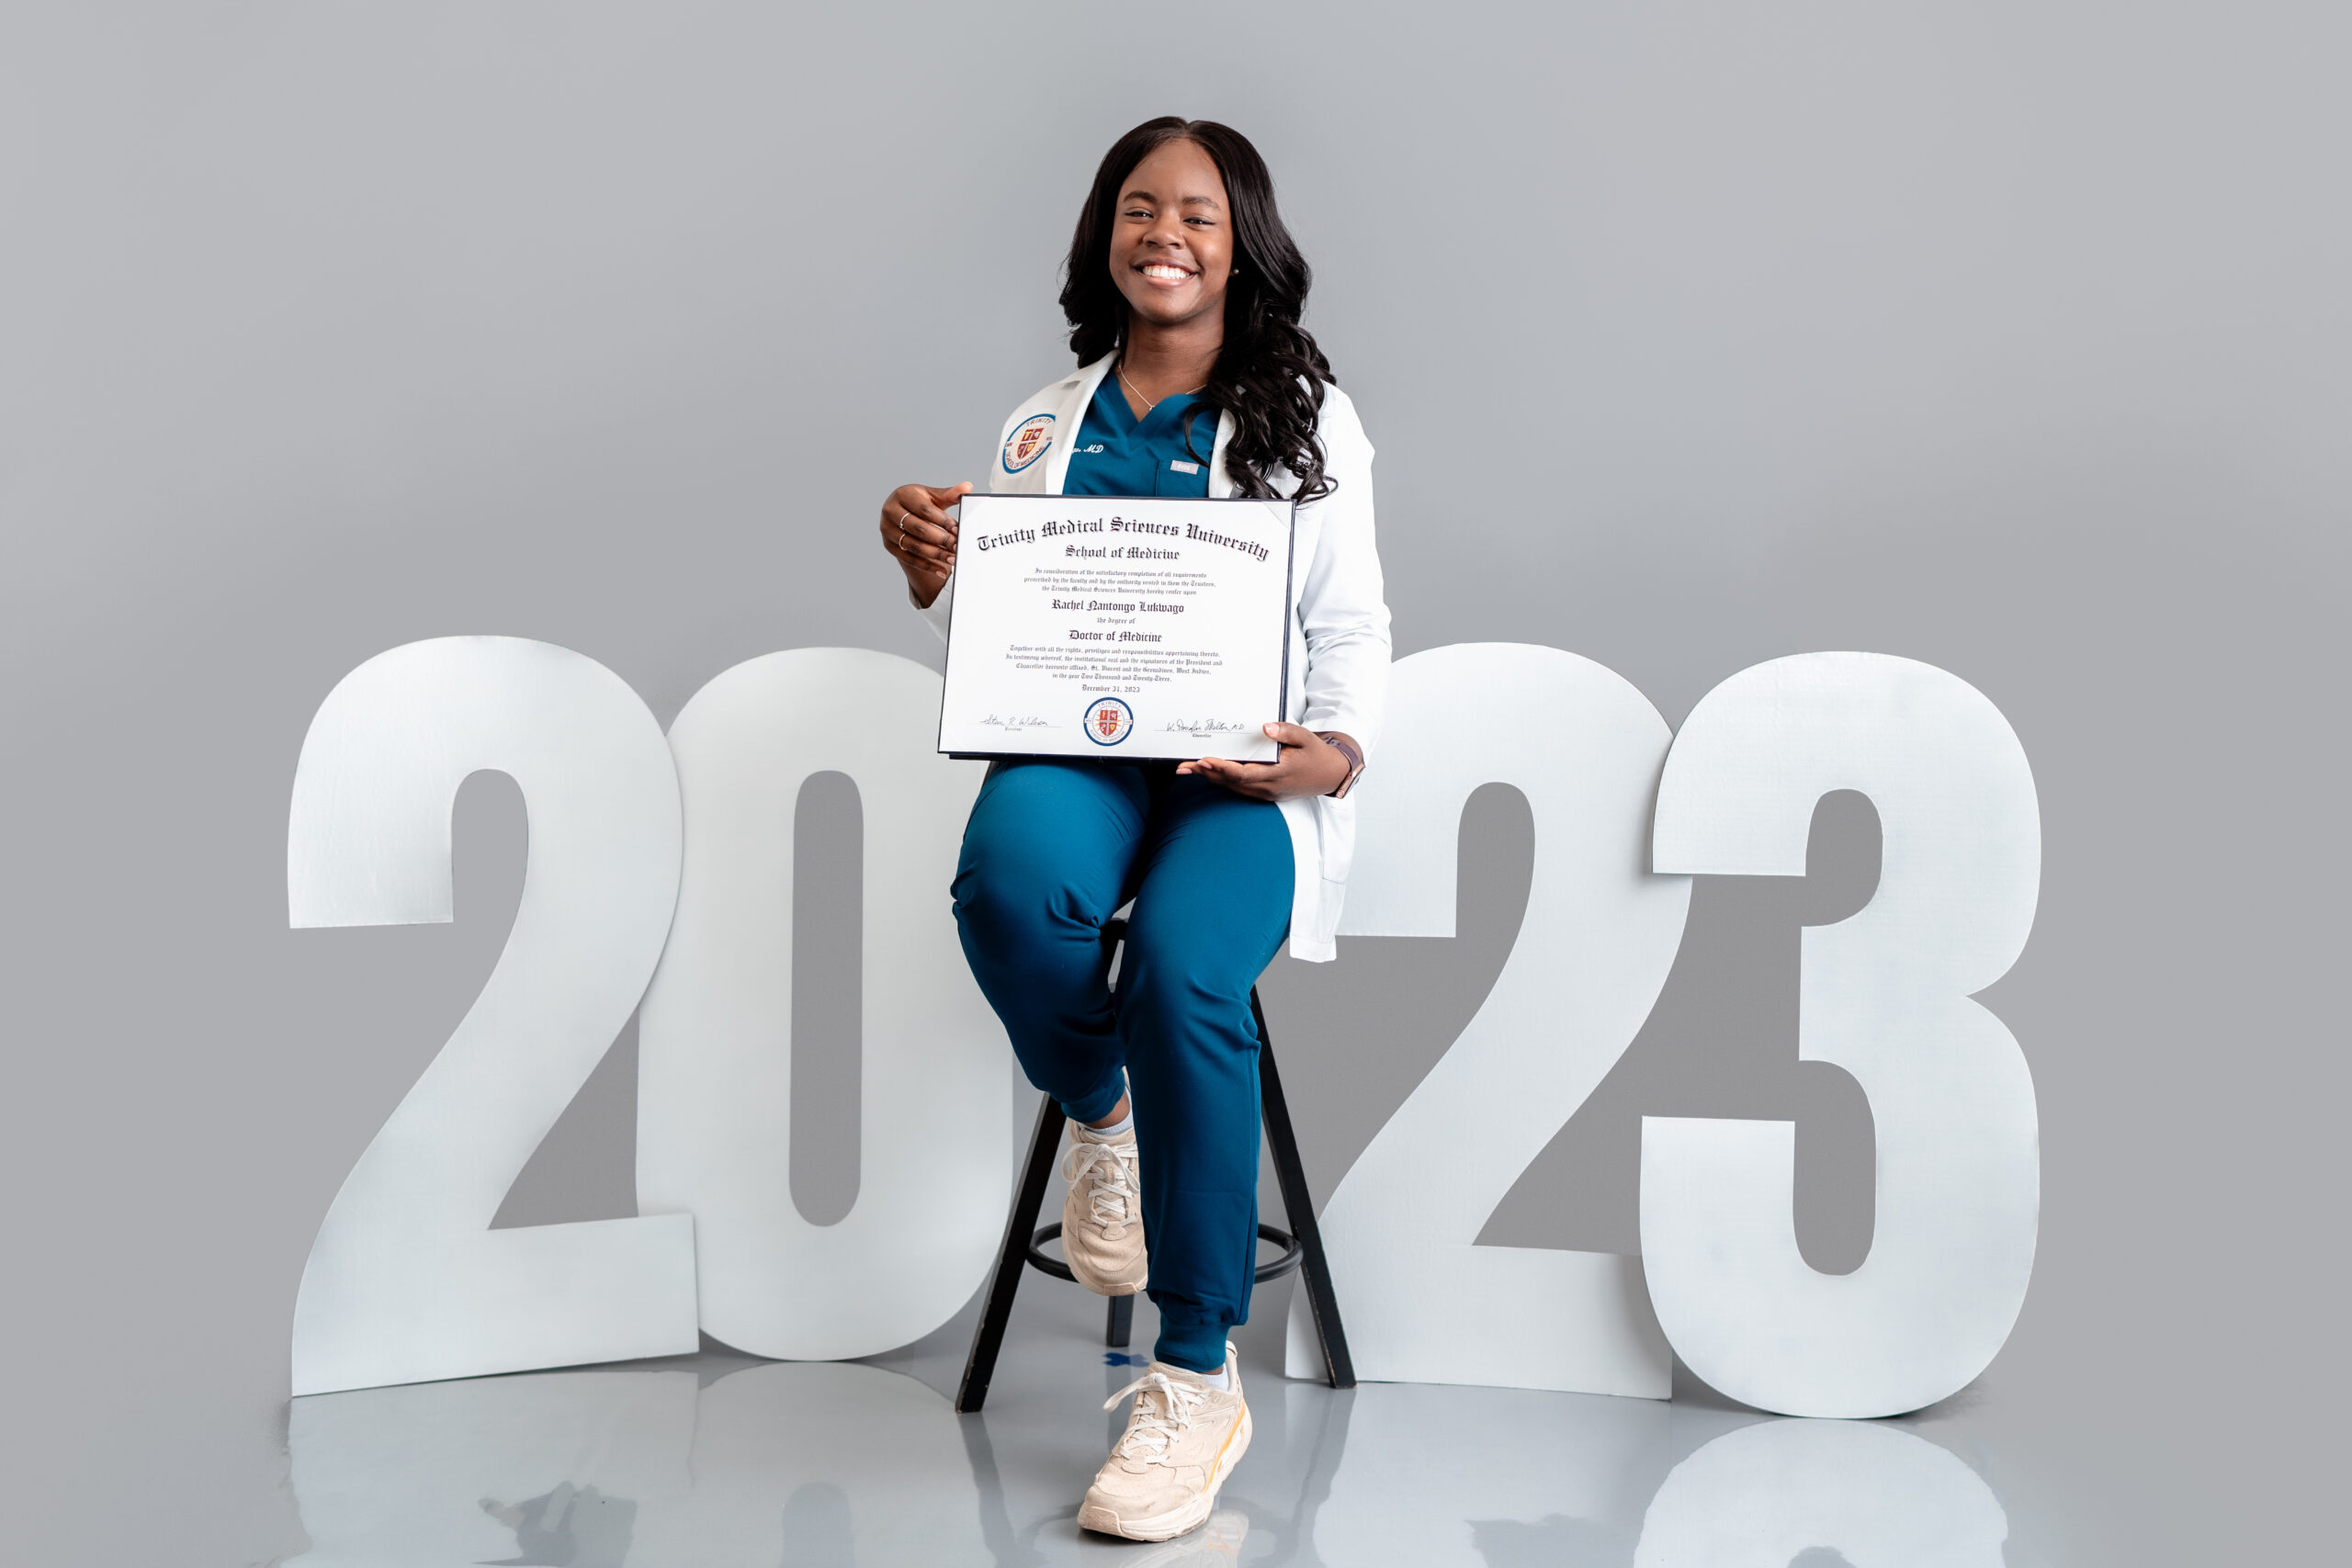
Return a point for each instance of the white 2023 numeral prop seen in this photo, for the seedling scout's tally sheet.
(1776, 1493)
(406, 1281)
(715, 1067)
(1423, 1303)
(1887, 995)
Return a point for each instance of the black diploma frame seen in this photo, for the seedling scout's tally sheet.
(1077, 511)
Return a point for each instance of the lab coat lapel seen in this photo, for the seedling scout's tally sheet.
(1079, 395)
(1221, 483)
(1307, 528)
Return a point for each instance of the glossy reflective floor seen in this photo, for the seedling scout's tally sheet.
(716, 1460)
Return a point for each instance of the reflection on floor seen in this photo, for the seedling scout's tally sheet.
(716, 1460)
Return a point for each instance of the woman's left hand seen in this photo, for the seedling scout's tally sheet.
(1307, 764)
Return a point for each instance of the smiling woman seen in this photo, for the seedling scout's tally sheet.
(1183, 293)
(1187, 262)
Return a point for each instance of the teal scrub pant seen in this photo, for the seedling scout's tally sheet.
(1052, 849)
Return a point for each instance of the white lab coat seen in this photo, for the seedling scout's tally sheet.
(1339, 631)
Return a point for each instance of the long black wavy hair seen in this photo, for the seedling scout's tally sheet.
(1270, 375)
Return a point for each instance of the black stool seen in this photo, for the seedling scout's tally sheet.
(1302, 1245)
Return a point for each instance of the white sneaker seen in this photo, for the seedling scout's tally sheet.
(1182, 1439)
(1102, 1215)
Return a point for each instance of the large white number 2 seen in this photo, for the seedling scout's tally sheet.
(1424, 1303)
(406, 1281)
(715, 1062)
(1888, 996)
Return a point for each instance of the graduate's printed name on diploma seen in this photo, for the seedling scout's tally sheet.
(1130, 627)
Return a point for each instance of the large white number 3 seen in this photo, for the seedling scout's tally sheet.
(1423, 1302)
(1887, 995)
(406, 1281)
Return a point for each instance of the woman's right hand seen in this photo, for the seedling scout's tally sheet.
(920, 536)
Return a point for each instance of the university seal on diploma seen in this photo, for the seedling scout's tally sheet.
(1118, 627)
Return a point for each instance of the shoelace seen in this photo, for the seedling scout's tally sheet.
(1153, 1425)
(1107, 1166)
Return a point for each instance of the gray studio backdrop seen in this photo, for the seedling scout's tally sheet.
(2013, 338)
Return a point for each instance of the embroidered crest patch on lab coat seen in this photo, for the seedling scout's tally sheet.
(1028, 442)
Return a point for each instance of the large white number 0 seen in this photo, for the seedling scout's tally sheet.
(715, 1086)
(1785, 1492)
(1888, 996)
(1424, 1303)
(406, 1281)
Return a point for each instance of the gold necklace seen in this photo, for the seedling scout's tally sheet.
(1120, 370)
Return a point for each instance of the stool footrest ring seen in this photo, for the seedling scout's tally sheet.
(1293, 1253)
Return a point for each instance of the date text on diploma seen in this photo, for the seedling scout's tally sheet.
(1134, 627)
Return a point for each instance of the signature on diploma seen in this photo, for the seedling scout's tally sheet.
(1201, 726)
(1027, 721)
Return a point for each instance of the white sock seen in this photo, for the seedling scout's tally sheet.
(1219, 1379)
(1118, 1129)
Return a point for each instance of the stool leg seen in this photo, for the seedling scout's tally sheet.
(1121, 1326)
(1010, 1258)
(1298, 1203)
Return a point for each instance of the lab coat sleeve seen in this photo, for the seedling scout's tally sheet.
(1343, 610)
(935, 612)
(998, 483)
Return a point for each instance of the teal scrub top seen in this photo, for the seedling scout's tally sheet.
(1116, 454)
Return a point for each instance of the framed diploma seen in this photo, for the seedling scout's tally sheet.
(1093, 625)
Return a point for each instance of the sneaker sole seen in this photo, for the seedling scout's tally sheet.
(1176, 1521)
(1114, 1288)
